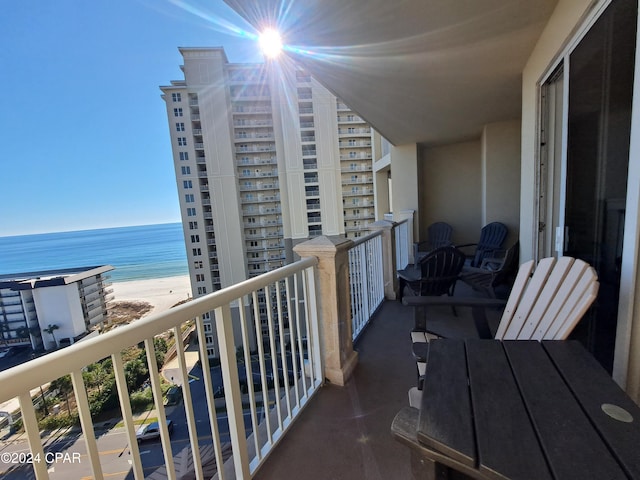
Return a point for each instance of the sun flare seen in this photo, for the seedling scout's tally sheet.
(270, 43)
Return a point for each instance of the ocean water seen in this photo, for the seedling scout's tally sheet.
(137, 253)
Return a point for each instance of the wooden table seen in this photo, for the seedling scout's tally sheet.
(520, 410)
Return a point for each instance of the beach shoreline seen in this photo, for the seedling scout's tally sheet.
(160, 293)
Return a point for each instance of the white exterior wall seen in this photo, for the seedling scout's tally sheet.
(59, 305)
(325, 114)
(204, 73)
(286, 126)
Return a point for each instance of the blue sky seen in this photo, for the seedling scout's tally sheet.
(85, 142)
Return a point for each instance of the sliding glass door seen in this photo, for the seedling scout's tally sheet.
(598, 75)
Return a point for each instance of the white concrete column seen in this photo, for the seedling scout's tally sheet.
(334, 305)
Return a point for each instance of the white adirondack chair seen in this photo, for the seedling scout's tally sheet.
(545, 304)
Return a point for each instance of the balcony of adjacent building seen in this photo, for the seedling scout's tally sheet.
(357, 167)
(251, 109)
(356, 179)
(356, 156)
(252, 122)
(257, 173)
(357, 191)
(244, 161)
(255, 148)
(354, 143)
(354, 131)
(258, 136)
(249, 186)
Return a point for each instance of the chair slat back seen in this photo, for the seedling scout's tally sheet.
(529, 298)
(519, 286)
(577, 302)
(562, 277)
(439, 234)
(440, 270)
(492, 237)
(549, 304)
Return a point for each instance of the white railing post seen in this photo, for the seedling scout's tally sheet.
(339, 358)
(232, 394)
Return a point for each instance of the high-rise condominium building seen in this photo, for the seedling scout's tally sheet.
(265, 157)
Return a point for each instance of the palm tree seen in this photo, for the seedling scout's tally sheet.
(50, 329)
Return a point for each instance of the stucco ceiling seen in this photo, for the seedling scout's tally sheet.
(423, 71)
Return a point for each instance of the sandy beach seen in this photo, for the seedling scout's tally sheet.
(161, 293)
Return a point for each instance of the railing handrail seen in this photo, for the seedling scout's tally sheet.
(29, 375)
(361, 240)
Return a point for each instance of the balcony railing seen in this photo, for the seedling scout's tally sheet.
(291, 346)
(280, 355)
(365, 280)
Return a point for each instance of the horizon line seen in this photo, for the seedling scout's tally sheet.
(89, 229)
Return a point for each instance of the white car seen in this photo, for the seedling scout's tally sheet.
(151, 431)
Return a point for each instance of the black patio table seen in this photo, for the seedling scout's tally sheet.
(520, 410)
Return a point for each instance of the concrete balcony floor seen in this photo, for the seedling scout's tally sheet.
(345, 432)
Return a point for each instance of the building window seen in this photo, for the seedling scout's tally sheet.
(196, 251)
(202, 290)
(197, 264)
(184, 155)
(182, 141)
(193, 225)
(187, 184)
(253, 243)
(176, 97)
(199, 277)
(177, 112)
(211, 352)
(185, 170)
(189, 198)
(207, 326)
(191, 212)
(180, 126)
(195, 238)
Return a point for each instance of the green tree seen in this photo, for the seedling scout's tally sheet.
(136, 372)
(64, 386)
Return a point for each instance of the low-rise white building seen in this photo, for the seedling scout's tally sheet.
(52, 309)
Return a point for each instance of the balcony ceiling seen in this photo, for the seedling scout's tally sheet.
(419, 71)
